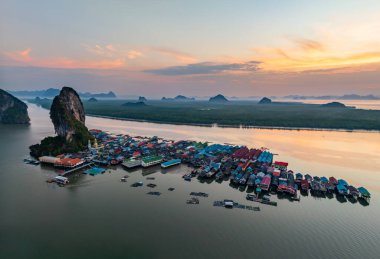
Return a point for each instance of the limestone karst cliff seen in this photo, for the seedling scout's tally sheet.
(12, 110)
(68, 116)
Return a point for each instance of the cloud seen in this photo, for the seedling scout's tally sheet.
(309, 45)
(133, 54)
(206, 68)
(20, 56)
(179, 56)
(99, 50)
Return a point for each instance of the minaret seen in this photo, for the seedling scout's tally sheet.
(89, 144)
(96, 144)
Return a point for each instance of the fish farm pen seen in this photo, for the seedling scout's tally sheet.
(254, 168)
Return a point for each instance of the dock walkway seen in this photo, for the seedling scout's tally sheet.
(85, 165)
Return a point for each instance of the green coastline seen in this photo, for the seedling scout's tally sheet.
(237, 114)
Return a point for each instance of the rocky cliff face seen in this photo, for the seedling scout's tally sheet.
(12, 110)
(68, 117)
(67, 113)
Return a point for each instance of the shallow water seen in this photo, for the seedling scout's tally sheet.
(100, 217)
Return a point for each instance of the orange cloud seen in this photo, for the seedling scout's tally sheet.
(179, 56)
(20, 56)
(72, 63)
(133, 54)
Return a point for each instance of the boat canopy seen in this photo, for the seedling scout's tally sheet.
(364, 192)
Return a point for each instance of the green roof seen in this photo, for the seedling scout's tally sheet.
(149, 159)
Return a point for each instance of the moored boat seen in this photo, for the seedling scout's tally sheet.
(333, 180)
(299, 177)
(352, 191)
(305, 185)
(364, 193)
(341, 189)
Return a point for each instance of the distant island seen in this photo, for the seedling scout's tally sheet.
(52, 92)
(218, 99)
(334, 105)
(265, 100)
(179, 98)
(237, 113)
(134, 104)
(12, 110)
(142, 99)
(92, 100)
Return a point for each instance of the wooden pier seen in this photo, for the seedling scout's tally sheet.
(85, 165)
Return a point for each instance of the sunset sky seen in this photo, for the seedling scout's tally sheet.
(196, 48)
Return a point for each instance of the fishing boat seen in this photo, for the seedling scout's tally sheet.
(299, 177)
(238, 177)
(171, 163)
(235, 173)
(333, 180)
(315, 186)
(342, 182)
(251, 180)
(341, 189)
(219, 175)
(330, 187)
(324, 179)
(282, 185)
(352, 191)
(244, 179)
(323, 187)
(274, 182)
(305, 185)
(265, 182)
(364, 193)
(308, 178)
(290, 180)
(61, 180)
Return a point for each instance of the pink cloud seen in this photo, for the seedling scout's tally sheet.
(21, 56)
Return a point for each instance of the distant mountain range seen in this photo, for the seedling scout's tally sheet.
(179, 98)
(52, 92)
(334, 97)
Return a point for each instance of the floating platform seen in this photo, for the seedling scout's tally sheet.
(232, 204)
(199, 194)
(154, 193)
(94, 171)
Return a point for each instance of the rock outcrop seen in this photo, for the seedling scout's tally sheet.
(68, 116)
(142, 99)
(92, 100)
(218, 98)
(179, 98)
(67, 113)
(12, 110)
(265, 100)
(334, 105)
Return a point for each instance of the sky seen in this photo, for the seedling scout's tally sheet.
(196, 48)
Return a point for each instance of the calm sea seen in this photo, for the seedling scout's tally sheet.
(100, 217)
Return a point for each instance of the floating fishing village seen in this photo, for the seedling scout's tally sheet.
(253, 168)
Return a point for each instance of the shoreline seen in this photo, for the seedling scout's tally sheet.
(235, 126)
